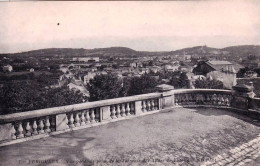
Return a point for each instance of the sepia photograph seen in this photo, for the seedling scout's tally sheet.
(130, 83)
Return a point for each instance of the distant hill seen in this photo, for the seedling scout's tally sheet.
(236, 51)
(243, 50)
(198, 50)
(73, 52)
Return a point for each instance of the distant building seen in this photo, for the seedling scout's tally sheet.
(8, 68)
(205, 67)
(171, 68)
(88, 77)
(86, 59)
(223, 71)
(186, 68)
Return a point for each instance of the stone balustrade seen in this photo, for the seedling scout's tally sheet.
(40, 123)
(199, 97)
(36, 124)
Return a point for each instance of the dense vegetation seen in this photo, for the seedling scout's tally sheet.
(19, 96)
(208, 84)
(111, 86)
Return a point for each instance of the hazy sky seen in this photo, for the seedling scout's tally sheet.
(151, 26)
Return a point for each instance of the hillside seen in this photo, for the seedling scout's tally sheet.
(73, 52)
(198, 50)
(234, 51)
(243, 50)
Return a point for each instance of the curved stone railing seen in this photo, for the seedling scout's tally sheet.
(200, 97)
(40, 123)
(36, 124)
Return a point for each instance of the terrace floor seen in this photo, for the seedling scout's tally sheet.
(181, 136)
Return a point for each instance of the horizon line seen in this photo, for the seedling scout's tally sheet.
(125, 47)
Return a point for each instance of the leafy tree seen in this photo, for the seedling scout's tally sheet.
(208, 84)
(104, 87)
(241, 72)
(144, 84)
(180, 80)
(257, 70)
(126, 86)
(184, 81)
(31, 95)
(252, 57)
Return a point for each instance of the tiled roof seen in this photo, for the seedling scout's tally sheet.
(220, 62)
(223, 65)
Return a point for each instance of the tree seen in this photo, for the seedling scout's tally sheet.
(179, 80)
(104, 87)
(126, 86)
(242, 71)
(20, 97)
(208, 84)
(184, 81)
(141, 85)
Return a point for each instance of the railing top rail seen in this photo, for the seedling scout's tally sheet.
(180, 91)
(74, 107)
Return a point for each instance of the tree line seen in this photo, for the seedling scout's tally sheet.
(20, 96)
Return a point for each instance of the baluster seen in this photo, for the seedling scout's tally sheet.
(53, 124)
(127, 109)
(148, 105)
(191, 98)
(71, 121)
(200, 98)
(34, 126)
(208, 98)
(176, 99)
(226, 101)
(20, 130)
(123, 110)
(41, 126)
(218, 100)
(87, 117)
(67, 120)
(28, 129)
(47, 125)
(113, 112)
(13, 132)
(92, 116)
(152, 104)
(214, 99)
(222, 101)
(203, 98)
(118, 111)
(132, 108)
(77, 120)
(197, 98)
(82, 118)
(143, 106)
(182, 98)
(156, 104)
(185, 99)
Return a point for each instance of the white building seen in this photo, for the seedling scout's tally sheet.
(86, 59)
(88, 77)
(8, 68)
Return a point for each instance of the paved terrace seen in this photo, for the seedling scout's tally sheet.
(182, 136)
